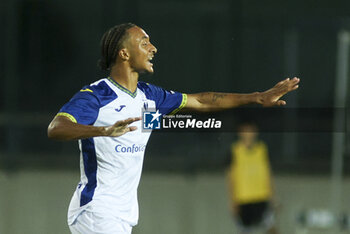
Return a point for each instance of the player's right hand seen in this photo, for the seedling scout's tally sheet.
(121, 127)
(272, 96)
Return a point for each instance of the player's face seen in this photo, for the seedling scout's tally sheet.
(248, 133)
(141, 50)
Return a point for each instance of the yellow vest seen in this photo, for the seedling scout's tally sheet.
(250, 173)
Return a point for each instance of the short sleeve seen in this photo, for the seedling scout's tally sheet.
(83, 108)
(167, 102)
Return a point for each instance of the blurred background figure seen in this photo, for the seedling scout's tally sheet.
(250, 183)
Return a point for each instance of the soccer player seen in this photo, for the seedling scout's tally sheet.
(104, 116)
(250, 182)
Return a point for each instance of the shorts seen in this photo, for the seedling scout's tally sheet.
(254, 214)
(96, 223)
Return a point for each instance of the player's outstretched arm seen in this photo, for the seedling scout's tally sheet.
(212, 101)
(62, 128)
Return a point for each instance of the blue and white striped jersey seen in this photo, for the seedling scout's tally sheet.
(111, 166)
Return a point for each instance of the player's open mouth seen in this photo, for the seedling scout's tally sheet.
(149, 60)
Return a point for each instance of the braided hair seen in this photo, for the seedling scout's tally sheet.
(111, 43)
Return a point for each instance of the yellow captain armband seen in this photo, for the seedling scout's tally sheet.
(69, 116)
(183, 103)
(86, 90)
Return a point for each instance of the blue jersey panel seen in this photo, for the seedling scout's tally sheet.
(85, 105)
(166, 101)
(104, 93)
(90, 168)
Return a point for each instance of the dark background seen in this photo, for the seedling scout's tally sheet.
(49, 50)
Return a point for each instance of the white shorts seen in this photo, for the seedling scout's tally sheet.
(95, 223)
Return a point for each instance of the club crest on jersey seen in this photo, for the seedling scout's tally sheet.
(151, 119)
(145, 105)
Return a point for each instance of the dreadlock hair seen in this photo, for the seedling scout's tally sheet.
(111, 43)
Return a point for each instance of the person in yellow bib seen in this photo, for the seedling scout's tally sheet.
(250, 183)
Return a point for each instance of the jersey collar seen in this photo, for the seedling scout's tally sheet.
(133, 95)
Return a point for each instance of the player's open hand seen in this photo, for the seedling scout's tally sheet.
(272, 96)
(121, 127)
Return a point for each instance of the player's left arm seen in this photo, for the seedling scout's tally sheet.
(213, 101)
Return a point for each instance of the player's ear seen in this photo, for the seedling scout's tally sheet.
(124, 54)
